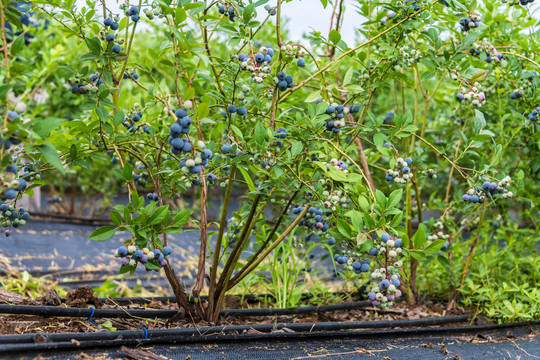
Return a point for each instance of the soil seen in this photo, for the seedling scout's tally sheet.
(84, 297)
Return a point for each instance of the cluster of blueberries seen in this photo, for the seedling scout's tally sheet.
(337, 113)
(402, 173)
(179, 127)
(132, 12)
(10, 217)
(131, 255)
(534, 116)
(284, 81)
(516, 94)
(152, 196)
(11, 186)
(358, 266)
(110, 37)
(80, 86)
(230, 11)
(272, 11)
(470, 22)
(8, 141)
(489, 57)
(237, 110)
(133, 117)
(259, 64)
(489, 189)
(383, 294)
(313, 220)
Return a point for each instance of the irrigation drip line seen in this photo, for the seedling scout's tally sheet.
(235, 329)
(172, 336)
(49, 311)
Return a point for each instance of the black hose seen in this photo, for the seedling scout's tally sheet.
(228, 329)
(49, 311)
(172, 337)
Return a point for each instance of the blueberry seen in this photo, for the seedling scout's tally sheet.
(150, 196)
(175, 130)
(356, 265)
(10, 194)
(242, 57)
(210, 177)
(166, 251)
(330, 110)
(221, 9)
(389, 177)
(270, 51)
(288, 79)
(385, 237)
(12, 115)
(301, 62)
(373, 251)
(196, 169)
(364, 268)
(384, 284)
(241, 111)
(486, 186)
(180, 113)
(406, 170)
(116, 49)
(387, 144)
(122, 251)
(259, 57)
(115, 26)
(371, 296)
(475, 198)
(231, 108)
(409, 161)
(281, 75)
(282, 85)
(107, 22)
(136, 117)
(331, 241)
(185, 121)
(133, 10)
(466, 197)
(109, 38)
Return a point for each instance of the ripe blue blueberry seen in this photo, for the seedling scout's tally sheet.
(116, 49)
(241, 111)
(122, 251)
(301, 62)
(115, 26)
(221, 9)
(282, 85)
(210, 177)
(406, 170)
(109, 38)
(281, 75)
(475, 198)
(364, 267)
(166, 251)
(231, 108)
(385, 237)
(373, 251)
(466, 197)
(180, 113)
(107, 22)
(133, 10)
(409, 161)
(259, 57)
(331, 241)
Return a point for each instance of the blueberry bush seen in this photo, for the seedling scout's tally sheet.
(396, 153)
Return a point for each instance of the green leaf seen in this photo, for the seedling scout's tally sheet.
(419, 238)
(381, 199)
(418, 255)
(102, 113)
(363, 203)
(49, 153)
(181, 218)
(334, 36)
(17, 45)
(158, 215)
(94, 45)
(357, 220)
(103, 233)
(297, 149)
(313, 96)
(394, 198)
(44, 127)
(128, 171)
(116, 218)
(435, 246)
(260, 133)
(118, 118)
(479, 121)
